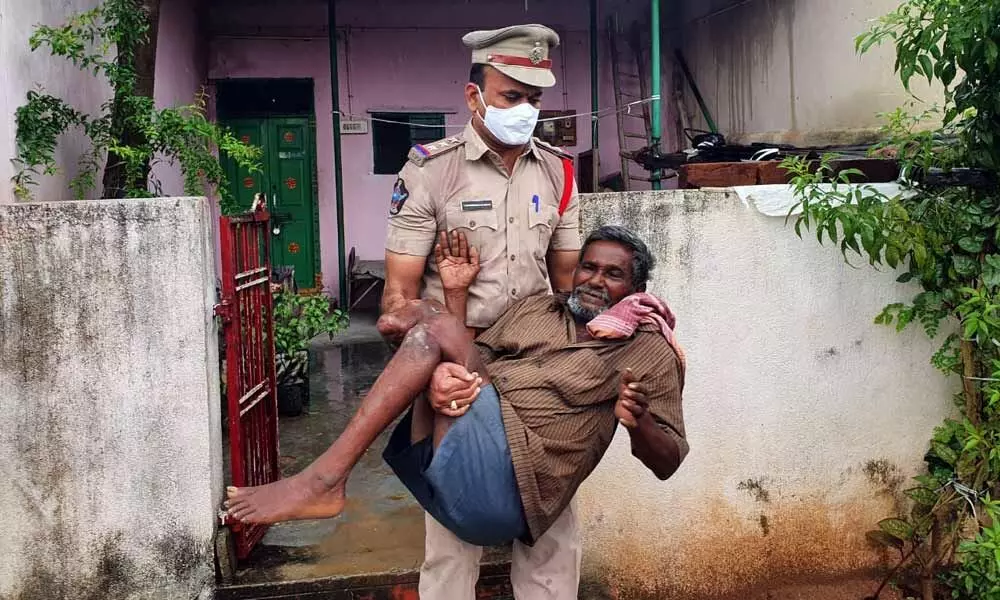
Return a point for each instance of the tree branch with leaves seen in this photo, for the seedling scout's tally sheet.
(117, 42)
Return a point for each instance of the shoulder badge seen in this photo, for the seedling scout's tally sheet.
(421, 153)
(552, 149)
(399, 196)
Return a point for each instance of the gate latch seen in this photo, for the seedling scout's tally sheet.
(224, 310)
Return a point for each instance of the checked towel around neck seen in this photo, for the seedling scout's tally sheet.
(621, 320)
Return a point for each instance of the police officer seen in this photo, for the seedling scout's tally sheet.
(514, 199)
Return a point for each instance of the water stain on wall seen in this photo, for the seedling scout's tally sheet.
(725, 555)
(887, 480)
(748, 48)
(756, 489)
(115, 574)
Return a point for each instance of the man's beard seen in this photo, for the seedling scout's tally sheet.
(585, 313)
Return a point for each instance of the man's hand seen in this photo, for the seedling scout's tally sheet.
(651, 444)
(453, 389)
(457, 262)
(633, 403)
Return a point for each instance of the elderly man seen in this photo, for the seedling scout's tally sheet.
(558, 374)
(514, 197)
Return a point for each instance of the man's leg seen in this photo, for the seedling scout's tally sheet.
(550, 570)
(318, 491)
(451, 567)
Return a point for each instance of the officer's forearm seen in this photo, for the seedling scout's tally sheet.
(403, 274)
(561, 265)
(397, 294)
(393, 301)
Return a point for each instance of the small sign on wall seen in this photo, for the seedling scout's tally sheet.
(354, 127)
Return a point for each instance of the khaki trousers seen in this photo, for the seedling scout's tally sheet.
(550, 570)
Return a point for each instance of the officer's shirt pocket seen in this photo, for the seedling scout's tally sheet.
(542, 218)
(481, 227)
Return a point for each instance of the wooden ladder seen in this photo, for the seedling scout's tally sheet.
(629, 75)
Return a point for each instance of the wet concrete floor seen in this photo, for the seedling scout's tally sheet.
(382, 528)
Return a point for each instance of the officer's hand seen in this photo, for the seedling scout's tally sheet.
(453, 389)
(633, 403)
(457, 261)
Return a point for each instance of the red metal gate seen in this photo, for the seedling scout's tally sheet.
(250, 379)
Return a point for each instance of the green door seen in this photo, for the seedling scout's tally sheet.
(287, 181)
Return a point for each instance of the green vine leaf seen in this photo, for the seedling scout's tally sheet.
(991, 270)
(922, 496)
(971, 244)
(945, 453)
(897, 529)
(964, 265)
(882, 539)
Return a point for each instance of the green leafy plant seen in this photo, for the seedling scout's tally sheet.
(113, 42)
(300, 318)
(946, 239)
(978, 575)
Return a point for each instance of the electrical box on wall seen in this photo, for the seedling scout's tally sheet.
(560, 132)
(356, 127)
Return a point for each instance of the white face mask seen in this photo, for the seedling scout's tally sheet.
(511, 126)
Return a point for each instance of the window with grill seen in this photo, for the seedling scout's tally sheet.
(393, 141)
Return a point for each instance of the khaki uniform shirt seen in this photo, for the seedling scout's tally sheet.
(459, 183)
(557, 397)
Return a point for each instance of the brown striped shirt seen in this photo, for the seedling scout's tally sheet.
(558, 397)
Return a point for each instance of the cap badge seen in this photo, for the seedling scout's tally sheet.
(536, 55)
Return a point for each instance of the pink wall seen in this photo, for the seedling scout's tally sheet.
(398, 55)
(181, 67)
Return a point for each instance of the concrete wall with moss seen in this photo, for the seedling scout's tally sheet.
(805, 419)
(110, 432)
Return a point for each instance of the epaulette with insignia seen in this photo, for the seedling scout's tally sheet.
(552, 149)
(421, 153)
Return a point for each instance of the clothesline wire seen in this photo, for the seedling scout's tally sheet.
(596, 114)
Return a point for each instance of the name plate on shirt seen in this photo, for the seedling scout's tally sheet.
(470, 205)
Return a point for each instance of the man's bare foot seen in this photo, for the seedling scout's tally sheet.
(299, 497)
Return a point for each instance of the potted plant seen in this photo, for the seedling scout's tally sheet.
(297, 320)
